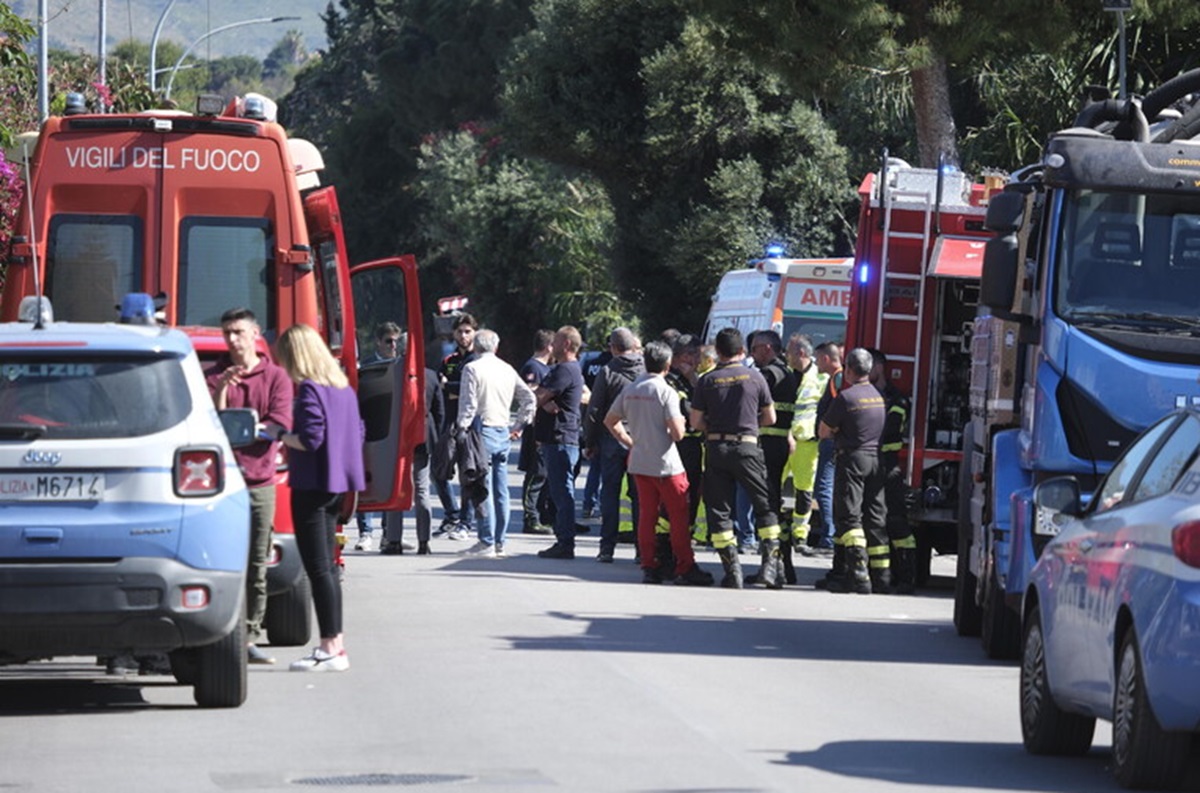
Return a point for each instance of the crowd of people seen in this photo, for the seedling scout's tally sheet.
(753, 446)
(686, 445)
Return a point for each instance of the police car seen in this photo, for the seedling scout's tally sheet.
(124, 522)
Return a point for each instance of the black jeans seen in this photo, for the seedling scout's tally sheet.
(314, 515)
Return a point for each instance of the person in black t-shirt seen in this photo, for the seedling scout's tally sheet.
(855, 422)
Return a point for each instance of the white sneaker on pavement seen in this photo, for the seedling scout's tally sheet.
(365, 543)
(321, 661)
(478, 549)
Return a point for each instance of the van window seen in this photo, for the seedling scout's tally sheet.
(92, 261)
(90, 397)
(225, 263)
(329, 300)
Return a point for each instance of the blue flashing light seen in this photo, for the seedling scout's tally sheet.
(775, 250)
(137, 308)
(864, 273)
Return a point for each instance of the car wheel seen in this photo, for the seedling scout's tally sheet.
(1045, 727)
(289, 616)
(221, 671)
(1144, 754)
(1000, 629)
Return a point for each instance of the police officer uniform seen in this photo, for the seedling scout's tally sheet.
(857, 415)
(731, 397)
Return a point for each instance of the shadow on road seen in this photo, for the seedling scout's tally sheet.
(760, 636)
(961, 765)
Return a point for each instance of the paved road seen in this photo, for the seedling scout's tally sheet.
(530, 674)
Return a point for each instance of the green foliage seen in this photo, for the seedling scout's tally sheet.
(706, 156)
(525, 240)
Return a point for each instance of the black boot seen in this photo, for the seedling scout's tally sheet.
(785, 556)
(881, 580)
(857, 579)
(733, 567)
(838, 572)
(770, 572)
(904, 570)
(664, 556)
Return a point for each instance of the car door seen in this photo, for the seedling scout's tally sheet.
(1145, 524)
(1088, 549)
(391, 395)
(1078, 667)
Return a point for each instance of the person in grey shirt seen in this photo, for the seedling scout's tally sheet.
(645, 419)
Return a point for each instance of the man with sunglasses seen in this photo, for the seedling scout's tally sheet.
(387, 339)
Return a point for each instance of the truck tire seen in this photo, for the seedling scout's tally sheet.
(221, 671)
(968, 617)
(1144, 754)
(1001, 627)
(1045, 727)
(289, 615)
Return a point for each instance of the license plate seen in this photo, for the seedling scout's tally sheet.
(51, 487)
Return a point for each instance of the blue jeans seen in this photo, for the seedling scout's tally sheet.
(560, 481)
(591, 487)
(445, 494)
(612, 471)
(821, 532)
(493, 526)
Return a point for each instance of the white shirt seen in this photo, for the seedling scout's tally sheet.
(489, 387)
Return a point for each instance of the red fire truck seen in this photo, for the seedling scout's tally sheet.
(211, 211)
(913, 296)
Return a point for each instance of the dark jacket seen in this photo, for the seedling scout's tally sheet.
(622, 370)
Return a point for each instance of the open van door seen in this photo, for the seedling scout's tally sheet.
(334, 306)
(391, 396)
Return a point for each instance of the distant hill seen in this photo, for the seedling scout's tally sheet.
(75, 24)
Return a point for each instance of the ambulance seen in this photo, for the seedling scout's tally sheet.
(809, 296)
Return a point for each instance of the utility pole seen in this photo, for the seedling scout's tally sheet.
(43, 63)
(102, 54)
(1119, 7)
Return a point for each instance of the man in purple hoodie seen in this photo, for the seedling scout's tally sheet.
(244, 379)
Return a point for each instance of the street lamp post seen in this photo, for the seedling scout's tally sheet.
(154, 44)
(213, 32)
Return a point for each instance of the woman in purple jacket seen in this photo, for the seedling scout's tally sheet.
(325, 461)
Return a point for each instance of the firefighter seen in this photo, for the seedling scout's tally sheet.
(776, 442)
(729, 405)
(803, 460)
(899, 532)
(855, 422)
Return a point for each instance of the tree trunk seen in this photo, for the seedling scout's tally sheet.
(936, 133)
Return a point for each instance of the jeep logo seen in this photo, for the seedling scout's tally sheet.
(41, 458)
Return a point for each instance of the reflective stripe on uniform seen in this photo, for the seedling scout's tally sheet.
(771, 532)
(779, 432)
(723, 539)
(878, 557)
(853, 538)
(891, 447)
(905, 542)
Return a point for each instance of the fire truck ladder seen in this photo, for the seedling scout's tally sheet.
(923, 199)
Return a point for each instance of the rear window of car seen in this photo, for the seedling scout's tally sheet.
(75, 397)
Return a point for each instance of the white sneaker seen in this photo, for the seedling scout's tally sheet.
(458, 533)
(365, 543)
(478, 549)
(321, 661)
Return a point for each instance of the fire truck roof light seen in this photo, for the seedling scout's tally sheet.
(76, 105)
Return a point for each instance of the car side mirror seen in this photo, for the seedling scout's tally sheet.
(1053, 501)
(240, 426)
